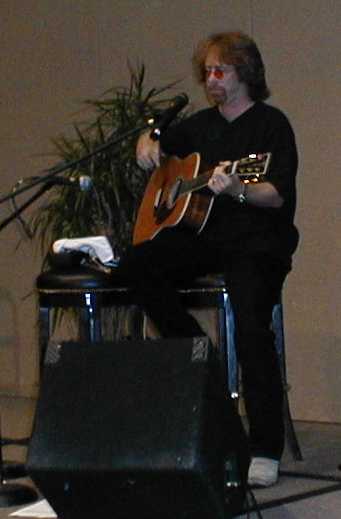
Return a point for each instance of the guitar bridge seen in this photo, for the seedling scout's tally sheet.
(157, 198)
(174, 193)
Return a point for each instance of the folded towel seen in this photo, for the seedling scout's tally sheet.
(97, 247)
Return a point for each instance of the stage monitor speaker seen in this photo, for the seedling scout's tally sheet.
(134, 429)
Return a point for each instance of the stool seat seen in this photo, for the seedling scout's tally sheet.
(82, 287)
(209, 281)
(78, 278)
(66, 287)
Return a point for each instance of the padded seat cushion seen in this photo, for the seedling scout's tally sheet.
(81, 277)
(75, 278)
(209, 281)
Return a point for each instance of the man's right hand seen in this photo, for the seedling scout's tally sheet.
(147, 152)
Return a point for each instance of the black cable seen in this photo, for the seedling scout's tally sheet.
(310, 475)
(24, 225)
(1, 458)
(254, 503)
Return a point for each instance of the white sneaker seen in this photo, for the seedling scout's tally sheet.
(263, 472)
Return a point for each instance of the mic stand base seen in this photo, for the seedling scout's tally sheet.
(13, 470)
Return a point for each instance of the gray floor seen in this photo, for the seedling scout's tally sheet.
(309, 488)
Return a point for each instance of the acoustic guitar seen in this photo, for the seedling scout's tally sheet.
(176, 193)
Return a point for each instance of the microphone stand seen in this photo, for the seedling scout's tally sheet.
(17, 212)
(18, 494)
(47, 179)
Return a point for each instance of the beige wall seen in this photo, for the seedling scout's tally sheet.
(57, 52)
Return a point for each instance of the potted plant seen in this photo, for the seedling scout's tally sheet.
(110, 207)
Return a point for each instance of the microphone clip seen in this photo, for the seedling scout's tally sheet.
(178, 103)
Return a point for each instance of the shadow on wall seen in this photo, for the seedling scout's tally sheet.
(9, 341)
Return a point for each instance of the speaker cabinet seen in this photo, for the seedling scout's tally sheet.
(134, 429)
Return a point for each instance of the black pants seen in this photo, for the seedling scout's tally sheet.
(254, 283)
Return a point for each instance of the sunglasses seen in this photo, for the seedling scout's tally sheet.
(218, 71)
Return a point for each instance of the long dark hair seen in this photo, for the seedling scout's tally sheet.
(238, 49)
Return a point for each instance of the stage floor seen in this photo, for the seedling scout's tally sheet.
(307, 489)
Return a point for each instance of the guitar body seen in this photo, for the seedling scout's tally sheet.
(163, 206)
(174, 194)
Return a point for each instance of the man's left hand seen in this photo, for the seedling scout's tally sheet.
(220, 182)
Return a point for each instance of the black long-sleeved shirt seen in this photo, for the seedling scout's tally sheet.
(262, 128)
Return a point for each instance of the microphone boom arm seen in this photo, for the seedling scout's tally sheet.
(60, 168)
(28, 202)
(178, 103)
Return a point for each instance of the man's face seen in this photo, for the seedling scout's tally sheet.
(222, 82)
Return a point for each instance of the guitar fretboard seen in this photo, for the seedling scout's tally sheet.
(247, 168)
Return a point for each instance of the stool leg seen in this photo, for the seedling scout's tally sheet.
(232, 367)
(278, 329)
(44, 334)
(231, 355)
(90, 319)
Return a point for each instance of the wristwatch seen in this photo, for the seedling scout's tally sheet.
(242, 197)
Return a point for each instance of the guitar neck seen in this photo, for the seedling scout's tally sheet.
(197, 183)
(248, 168)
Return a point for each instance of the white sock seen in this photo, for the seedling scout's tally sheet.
(263, 472)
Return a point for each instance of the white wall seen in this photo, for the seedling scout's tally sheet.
(58, 52)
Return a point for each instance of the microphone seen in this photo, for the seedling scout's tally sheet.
(178, 103)
(83, 182)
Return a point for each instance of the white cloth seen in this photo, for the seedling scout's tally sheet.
(40, 509)
(96, 246)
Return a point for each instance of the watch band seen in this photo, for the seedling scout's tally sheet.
(242, 197)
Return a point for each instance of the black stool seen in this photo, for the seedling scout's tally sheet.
(90, 290)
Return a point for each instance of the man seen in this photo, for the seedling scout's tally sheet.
(249, 235)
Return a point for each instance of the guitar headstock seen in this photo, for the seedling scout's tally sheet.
(251, 168)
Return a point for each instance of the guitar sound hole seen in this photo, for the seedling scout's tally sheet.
(161, 213)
